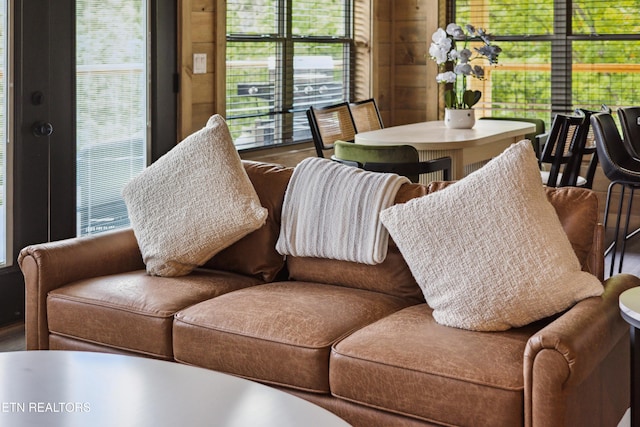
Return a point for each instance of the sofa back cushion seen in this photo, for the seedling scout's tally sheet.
(255, 254)
(577, 209)
(391, 277)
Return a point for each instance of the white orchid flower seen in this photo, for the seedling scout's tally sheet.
(438, 53)
(461, 61)
(464, 69)
(465, 55)
(438, 36)
(446, 77)
(455, 30)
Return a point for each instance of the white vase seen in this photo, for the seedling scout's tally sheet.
(459, 118)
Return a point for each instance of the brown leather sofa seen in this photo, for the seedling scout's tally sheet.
(356, 339)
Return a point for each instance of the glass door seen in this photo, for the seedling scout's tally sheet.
(77, 80)
(4, 146)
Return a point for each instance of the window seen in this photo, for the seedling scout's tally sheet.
(112, 108)
(558, 55)
(5, 154)
(283, 56)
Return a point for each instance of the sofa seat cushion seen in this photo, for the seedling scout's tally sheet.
(133, 311)
(411, 365)
(279, 333)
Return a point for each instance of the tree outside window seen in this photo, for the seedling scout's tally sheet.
(558, 55)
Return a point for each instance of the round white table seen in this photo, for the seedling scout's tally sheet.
(66, 388)
(630, 311)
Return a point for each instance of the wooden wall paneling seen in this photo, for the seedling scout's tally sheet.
(392, 63)
(408, 31)
(185, 56)
(436, 17)
(203, 5)
(381, 59)
(197, 91)
(200, 113)
(203, 15)
(202, 23)
(411, 53)
(209, 49)
(362, 50)
(409, 10)
(203, 88)
(203, 92)
(220, 58)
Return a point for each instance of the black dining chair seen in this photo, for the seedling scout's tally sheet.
(623, 170)
(562, 152)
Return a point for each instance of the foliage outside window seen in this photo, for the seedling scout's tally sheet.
(558, 54)
(283, 56)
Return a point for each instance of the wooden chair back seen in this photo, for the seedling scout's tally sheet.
(366, 115)
(330, 124)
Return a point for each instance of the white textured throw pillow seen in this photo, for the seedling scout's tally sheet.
(192, 202)
(489, 252)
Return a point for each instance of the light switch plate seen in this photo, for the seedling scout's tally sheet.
(199, 63)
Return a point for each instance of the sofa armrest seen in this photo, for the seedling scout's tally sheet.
(577, 359)
(48, 266)
(595, 258)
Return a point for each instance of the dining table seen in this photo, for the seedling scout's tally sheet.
(469, 149)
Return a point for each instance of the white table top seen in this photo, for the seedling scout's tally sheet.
(435, 135)
(630, 304)
(65, 388)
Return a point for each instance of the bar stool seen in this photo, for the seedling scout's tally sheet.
(630, 124)
(622, 169)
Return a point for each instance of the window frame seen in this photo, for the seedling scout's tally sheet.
(562, 41)
(285, 46)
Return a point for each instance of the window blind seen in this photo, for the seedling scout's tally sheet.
(558, 55)
(112, 94)
(281, 60)
(5, 230)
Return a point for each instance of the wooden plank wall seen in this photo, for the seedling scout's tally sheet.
(403, 77)
(197, 100)
(414, 94)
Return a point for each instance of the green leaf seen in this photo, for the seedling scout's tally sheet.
(450, 100)
(471, 98)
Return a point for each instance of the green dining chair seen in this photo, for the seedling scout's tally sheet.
(400, 159)
(538, 138)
